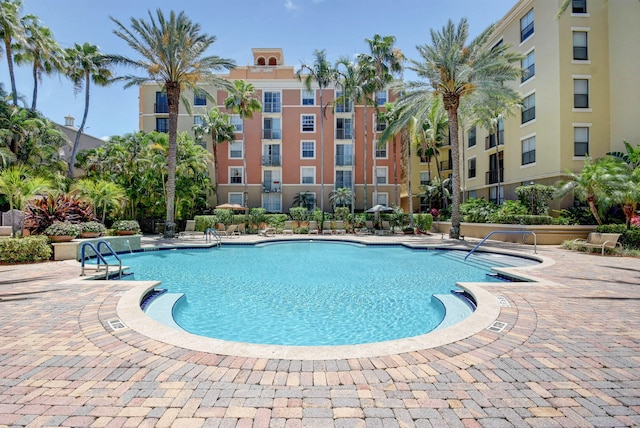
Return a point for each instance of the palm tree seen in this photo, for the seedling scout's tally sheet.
(629, 192)
(631, 157)
(243, 101)
(303, 199)
(340, 197)
(323, 74)
(219, 126)
(19, 186)
(85, 64)
(41, 51)
(595, 184)
(11, 30)
(454, 70)
(172, 55)
(384, 61)
(102, 194)
(434, 124)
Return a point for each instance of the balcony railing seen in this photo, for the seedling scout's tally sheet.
(492, 176)
(271, 187)
(342, 183)
(272, 134)
(446, 165)
(271, 160)
(344, 160)
(161, 108)
(490, 140)
(343, 134)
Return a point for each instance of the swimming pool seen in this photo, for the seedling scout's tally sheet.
(307, 293)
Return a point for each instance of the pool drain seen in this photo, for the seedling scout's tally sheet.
(497, 326)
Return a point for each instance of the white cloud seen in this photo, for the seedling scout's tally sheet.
(290, 5)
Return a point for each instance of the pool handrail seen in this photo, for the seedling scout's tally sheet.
(100, 257)
(507, 232)
(211, 232)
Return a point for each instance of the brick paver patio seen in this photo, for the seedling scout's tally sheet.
(568, 356)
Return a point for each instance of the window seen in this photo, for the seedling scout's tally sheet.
(580, 141)
(580, 51)
(424, 178)
(579, 6)
(271, 155)
(343, 104)
(581, 93)
(382, 199)
(343, 128)
(528, 66)
(308, 97)
(471, 137)
(529, 108)
(235, 198)
(235, 175)
(162, 124)
(472, 168)
(381, 152)
(381, 124)
(198, 120)
(307, 150)
(344, 155)
(529, 150)
(381, 98)
(162, 103)
(235, 150)
(381, 175)
(271, 202)
(526, 26)
(271, 128)
(308, 122)
(199, 98)
(271, 102)
(307, 175)
(236, 121)
(343, 179)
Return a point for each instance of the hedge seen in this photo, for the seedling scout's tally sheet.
(24, 250)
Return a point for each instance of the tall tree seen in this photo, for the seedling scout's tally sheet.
(243, 101)
(454, 69)
(323, 74)
(103, 195)
(41, 51)
(11, 30)
(384, 61)
(86, 64)
(172, 50)
(218, 125)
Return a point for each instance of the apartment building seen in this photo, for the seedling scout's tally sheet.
(580, 89)
(284, 148)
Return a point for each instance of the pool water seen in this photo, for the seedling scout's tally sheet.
(306, 293)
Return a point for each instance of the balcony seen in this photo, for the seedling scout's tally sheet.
(344, 134)
(271, 134)
(446, 165)
(344, 160)
(342, 183)
(491, 176)
(271, 160)
(161, 108)
(490, 140)
(271, 187)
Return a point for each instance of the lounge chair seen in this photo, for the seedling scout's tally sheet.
(599, 240)
(231, 231)
(267, 231)
(340, 228)
(288, 228)
(386, 227)
(190, 230)
(326, 227)
(313, 227)
(369, 229)
(241, 229)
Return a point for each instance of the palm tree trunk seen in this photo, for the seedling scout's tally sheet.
(321, 154)
(8, 52)
(395, 171)
(35, 87)
(173, 99)
(76, 143)
(245, 199)
(410, 193)
(353, 159)
(451, 106)
(594, 210)
(366, 143)
(215, 164)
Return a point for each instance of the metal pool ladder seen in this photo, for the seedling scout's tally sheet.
(100, 257)
(508, 232)
(212, 235)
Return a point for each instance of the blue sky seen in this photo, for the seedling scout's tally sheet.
(297, 26)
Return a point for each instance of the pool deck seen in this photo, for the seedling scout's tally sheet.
(568, 354)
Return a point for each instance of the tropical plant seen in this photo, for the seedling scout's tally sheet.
(423, 221)
(536, 197)
(594, 184)
(218, 125)
(42, 212)
(25, 250)
(20, 186)
(243, 101)
(631, 157)
(103, 195)
(299, 213)
(172, 55)
(11, 31)
(454, 70)
(477, 210)
(63, 228)
(304, 199)
(126, 225)
(92, 227)
(323, 74)
(41, 51)
(340, 197)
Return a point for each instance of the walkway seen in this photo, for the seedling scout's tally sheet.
(569, 355)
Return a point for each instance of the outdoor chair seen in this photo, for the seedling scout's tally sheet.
(267, 231)
(288, 228)
(231, 231)
(190, 230)
(599, 240)
(313, 227)
(386, 227)
(326, 227)
(340, 228)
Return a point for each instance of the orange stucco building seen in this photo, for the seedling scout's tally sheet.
(284, 144)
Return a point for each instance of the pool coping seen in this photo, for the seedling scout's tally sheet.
(487, 311)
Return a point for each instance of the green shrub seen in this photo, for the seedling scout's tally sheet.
(63, 228)
(203, 222)
(575, 215)
(126, 225)
(276, 220)
(476, 210)
(92, 227)
(257, 216)
(342, 213)
(629, 238)
(536, 198)
(224, 216)
(506, 211)
(299, 213)
(423, 221)
(24, 250)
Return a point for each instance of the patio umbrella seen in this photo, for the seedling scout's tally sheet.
(377, 209)
(233, 207)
